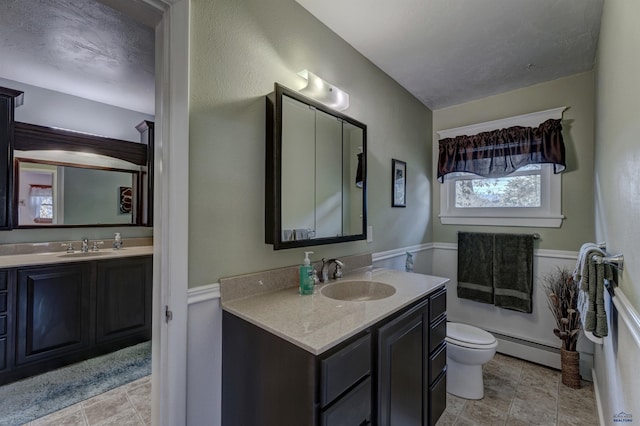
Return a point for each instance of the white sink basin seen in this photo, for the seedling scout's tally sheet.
(358, 291)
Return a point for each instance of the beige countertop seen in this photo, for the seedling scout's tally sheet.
(317, 323)
(15, 260)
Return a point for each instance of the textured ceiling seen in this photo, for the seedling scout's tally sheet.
(80, 47)
(444, 52)
(447, 52)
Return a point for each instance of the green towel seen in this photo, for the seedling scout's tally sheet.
(593, 276)
(513, 271)
(475, 272)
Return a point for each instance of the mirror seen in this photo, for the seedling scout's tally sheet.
(316, 173)
(68, 179)
(75, 194)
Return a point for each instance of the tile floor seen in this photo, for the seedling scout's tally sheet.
(516, 393)
(127, 405)
(522, 393)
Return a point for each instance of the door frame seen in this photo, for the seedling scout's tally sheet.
(171, 214)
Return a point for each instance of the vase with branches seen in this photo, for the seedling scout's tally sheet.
(562, 298)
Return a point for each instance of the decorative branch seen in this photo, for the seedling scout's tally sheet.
(562, 299)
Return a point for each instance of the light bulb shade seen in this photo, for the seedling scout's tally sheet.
(324, 92)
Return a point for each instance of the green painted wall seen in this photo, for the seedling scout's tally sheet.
(93, 196)
(617, 167)
(238, 50)
(575, 92)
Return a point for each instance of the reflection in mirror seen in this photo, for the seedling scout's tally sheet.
(64, 178)
(54, 194)
(320, 154)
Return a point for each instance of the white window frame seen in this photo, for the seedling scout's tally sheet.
(548, 215)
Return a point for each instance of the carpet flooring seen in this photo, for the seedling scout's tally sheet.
(34, 397)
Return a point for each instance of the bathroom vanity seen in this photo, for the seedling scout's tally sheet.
(314, 360)
(59, 308)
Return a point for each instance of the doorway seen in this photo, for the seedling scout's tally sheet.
(170, 209)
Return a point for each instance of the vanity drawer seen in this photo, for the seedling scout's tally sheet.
(438, 304)
(3, 325)
(3, 302)
(344, 368)
(3, 280)
(437, 333)
(352, 409)
(437, 363)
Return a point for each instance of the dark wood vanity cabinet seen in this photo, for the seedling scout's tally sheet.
(123, 299)
(393, 373)
(9, 100)
(58, 314)
(412, 365)
(52, 311)
(4, 320)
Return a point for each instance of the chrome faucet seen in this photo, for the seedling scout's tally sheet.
(68, 246)
(324, 270)
(85, 245)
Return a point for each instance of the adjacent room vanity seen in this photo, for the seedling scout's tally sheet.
(314, 360)
(59, 308)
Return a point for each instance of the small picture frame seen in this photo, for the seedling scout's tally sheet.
(398, 183)
(126, 199)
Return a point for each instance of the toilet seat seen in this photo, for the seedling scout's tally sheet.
(469, 337)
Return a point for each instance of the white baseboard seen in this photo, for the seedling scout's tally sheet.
(541, 354)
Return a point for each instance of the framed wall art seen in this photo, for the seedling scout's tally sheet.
(398, 183)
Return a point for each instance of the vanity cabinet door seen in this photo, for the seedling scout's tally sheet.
(401, 368)
(4, 319)
(123, 299)
(53, 311)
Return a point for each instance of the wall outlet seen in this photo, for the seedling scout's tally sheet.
(370, 233)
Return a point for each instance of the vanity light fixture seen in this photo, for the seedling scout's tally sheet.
(324, 92)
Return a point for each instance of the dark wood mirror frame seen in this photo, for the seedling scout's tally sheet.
(26, 137)
(29, 137)
(273, 179)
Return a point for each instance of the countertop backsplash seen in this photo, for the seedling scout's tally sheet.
(240, 286)
(56, 246)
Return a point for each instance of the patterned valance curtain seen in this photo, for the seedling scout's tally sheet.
(500, 152)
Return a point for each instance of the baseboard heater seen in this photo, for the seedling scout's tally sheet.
(539, 353)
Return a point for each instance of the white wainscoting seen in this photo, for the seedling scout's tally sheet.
(395, 259)
(616, 374)
(204, 356)
(526, 336)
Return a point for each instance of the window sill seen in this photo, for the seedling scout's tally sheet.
(530, 222)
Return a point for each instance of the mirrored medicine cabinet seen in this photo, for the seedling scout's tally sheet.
(315, 173)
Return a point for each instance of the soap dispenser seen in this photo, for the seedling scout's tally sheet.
(117, 241)
(306, 275)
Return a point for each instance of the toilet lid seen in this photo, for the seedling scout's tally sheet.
(469, 334)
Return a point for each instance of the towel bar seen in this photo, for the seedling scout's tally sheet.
(535, 235)
(616, 261)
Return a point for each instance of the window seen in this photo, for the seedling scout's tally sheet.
(531, 196)
(520, 189)
(504, 172)
(41, 202)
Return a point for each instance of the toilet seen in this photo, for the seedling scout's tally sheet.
(468, 348)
